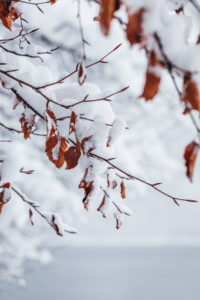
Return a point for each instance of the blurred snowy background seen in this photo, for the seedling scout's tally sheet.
(156, 253)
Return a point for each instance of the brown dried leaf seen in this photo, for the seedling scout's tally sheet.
(107, 9)
(88, 188)
(51, 144)
(27, 125)
(72, 156)
(134, 30)
(152, 82)
(51, 117)
(151, 86)
(72, 122)
(53, 139)
(30, 216)
(81, 74)
(191, 93)
(190, 155)
(5, 195)
(88, 191)
(8, 13)
(101, 205)
(122, 186)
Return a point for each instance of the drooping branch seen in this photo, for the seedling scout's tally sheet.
(85, 100)
(170, 71)
(133, 177)
(35, 207)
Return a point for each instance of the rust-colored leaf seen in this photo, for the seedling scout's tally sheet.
(27, 124)
(101, 205)
(190, 155)
(122, 186)
(83, 184)
(151, 86)
(72, 122)
(51, 143)
(51, 122)
(52, 1)
(152, 82)
(55, 145)
(5, 195)
(134, 30)
(191, 93)
(8, 13)
(72, 156)
(88, 188)
(107, 9)
(88, 191)
(30, 216)
(81, 74)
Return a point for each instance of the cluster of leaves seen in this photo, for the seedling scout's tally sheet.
(157, 60)
(75, 145)
(66, 150)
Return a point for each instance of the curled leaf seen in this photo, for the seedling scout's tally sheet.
(27, 121)
(72, 122)
(190, 155)
(101, 206)
(81, 74)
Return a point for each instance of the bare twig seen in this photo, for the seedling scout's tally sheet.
(101, 60)
(35, 206)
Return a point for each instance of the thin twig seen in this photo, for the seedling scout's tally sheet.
(101, 60)
(170, 71)
(34, 206)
